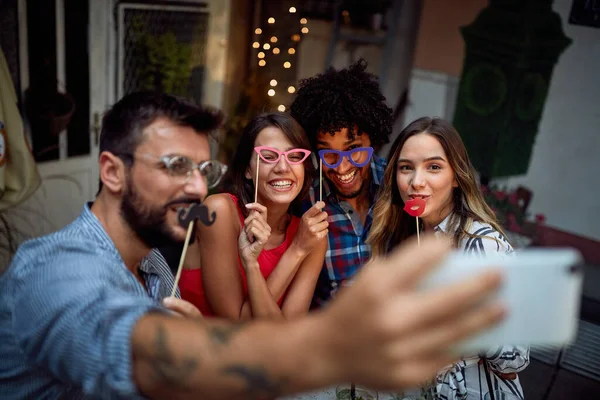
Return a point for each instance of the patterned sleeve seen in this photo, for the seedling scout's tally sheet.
(506, 359)
(484, 240)
(74, 319)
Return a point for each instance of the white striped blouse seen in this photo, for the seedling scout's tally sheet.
(466, 379)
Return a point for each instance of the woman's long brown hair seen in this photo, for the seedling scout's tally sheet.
(391, 225)
(243, 187)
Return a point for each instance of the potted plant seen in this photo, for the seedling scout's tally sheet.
(252, 101)
(427, 391)
(163, 63)
(48, 108)
(510, 211)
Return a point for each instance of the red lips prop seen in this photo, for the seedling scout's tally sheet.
(415, 207)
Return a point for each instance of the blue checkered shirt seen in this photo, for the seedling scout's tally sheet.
(68, 305)
(347, 250)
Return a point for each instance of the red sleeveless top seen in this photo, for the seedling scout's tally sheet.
(190, 283)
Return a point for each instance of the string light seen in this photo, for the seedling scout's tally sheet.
(281, 108)
(266, 46)
(346, 16)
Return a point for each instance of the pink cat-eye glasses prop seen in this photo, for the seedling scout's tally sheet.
(272, 156)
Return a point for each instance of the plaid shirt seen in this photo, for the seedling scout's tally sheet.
(347, 250)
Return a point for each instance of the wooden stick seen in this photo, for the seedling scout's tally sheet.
(320, 179)
(256, 181)
(182, 259)
(418, 236)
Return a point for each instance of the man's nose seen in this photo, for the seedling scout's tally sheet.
(196, 185)
(344, 166)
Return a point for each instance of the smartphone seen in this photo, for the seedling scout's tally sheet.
(541, 290)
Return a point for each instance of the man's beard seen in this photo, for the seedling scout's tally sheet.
(351, 195)
(149, 224)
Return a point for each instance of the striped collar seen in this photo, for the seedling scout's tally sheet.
(442, 227)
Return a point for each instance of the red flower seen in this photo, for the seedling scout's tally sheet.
(540, 218)
(512, 199)
(500, 195)
(513, 225)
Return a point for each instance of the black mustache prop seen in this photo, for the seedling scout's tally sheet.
(193, 212)
(186, 218)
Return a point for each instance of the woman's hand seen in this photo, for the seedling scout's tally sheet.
(312, 229)
(254, 235)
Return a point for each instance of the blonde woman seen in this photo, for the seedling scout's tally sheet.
(429, 160)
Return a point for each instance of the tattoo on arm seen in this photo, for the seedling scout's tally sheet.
(180, 371)
(223, 334)
(166, 367)
(259, 385)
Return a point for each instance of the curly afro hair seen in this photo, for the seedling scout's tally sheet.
(334, 100)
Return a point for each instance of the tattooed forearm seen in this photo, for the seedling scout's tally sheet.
(165, 366)
(223, 334)
(259, 385)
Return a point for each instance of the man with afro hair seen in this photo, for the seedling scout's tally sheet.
(344, 111)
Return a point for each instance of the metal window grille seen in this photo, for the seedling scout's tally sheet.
(162, 47)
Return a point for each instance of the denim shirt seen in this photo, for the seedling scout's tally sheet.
(68, 306)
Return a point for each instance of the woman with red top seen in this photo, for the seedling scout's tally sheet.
(258, 260)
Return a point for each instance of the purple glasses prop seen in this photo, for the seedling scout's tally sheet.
(358, 157)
